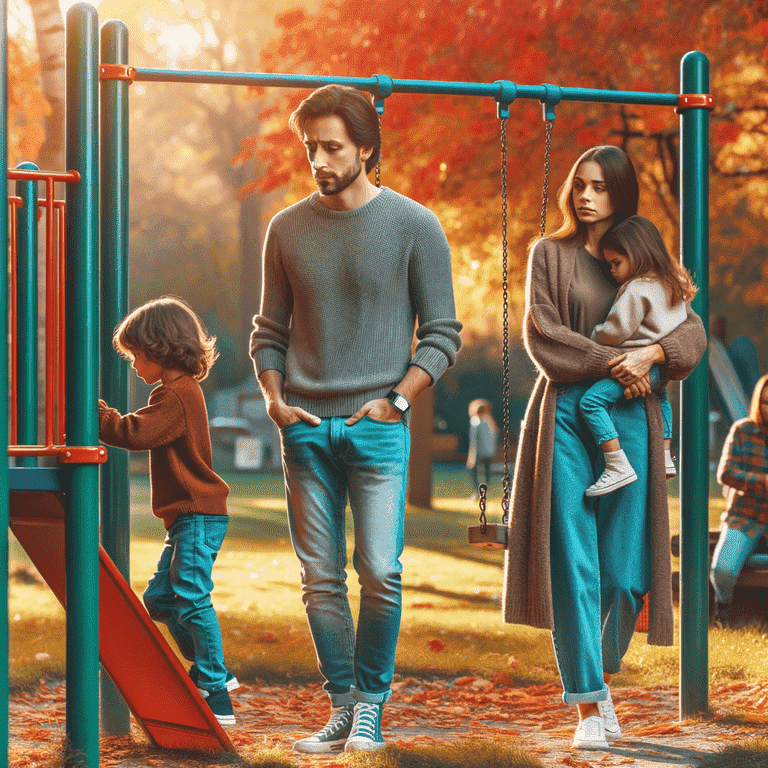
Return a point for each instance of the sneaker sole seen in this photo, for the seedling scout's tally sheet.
(613, 487)
(590, 745)
(612, 736)
(363, 745)
(225, 720)
(319, 748)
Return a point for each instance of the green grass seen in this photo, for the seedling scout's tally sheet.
(451, 600)
(471, 754)
(747, 754)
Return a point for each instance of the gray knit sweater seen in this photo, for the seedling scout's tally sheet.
(341, 294)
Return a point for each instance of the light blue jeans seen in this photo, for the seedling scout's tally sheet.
(324, 466)
(599, 551)
(597, 400)
(738, 540)
(179, 594)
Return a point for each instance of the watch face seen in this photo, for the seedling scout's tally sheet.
(399, 402)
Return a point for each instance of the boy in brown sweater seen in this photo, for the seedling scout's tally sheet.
(167, 343)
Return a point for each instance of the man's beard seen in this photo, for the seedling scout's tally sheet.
(333, 185)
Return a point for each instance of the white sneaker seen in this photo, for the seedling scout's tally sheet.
(366, 728)
(612, 480)
(669, 465)
(610, 721)
(590, 734)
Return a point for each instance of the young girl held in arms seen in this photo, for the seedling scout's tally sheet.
(650, 304)
(167, 343)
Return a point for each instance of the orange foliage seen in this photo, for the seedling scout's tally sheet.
(444, 151)
(26, 106)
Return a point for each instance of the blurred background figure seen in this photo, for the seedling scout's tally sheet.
(483, 442)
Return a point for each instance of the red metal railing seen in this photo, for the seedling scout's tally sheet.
(54, 212)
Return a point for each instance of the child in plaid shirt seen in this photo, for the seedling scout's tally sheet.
(743, 471)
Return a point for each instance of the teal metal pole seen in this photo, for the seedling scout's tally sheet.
(4, 502)
(26, 314)
(694, 432)
(115, 492)
(82, 360)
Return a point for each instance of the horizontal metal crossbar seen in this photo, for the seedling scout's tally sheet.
(372, 84)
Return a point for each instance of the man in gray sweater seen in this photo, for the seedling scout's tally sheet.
(346, 274)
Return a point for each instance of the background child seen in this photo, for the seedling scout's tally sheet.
(483, 440)
(650, 304)
(743, 472)
(167, 343)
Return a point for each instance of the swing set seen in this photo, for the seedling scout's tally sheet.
(93, 241)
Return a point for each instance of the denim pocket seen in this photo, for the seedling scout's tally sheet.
(383, 423)
(215, 528)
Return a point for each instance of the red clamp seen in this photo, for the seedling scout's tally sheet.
(73, 454)
(117, 72)
(694, 101)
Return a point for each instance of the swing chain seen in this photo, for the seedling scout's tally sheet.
(547, 151)
(378, 164)
(482, 490)
(505, 353)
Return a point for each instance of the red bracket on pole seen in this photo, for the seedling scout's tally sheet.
(694, 101)
(72, 454)
(117, 72)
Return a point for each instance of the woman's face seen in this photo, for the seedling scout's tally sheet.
(590, 194)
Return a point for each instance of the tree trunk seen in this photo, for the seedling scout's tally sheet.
(49, 30)
(420, 464)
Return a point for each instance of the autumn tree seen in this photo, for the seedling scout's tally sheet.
(444, 151)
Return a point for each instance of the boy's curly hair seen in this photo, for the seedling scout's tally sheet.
(168, 332)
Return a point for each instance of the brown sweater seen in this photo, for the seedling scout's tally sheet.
(173, 427)
(561, 356)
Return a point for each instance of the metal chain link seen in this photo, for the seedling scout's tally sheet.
(547, 151)
(378, 165)
(506, 483)
(482, 491)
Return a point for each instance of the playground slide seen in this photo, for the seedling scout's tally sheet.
(141, 664)
(726, 379)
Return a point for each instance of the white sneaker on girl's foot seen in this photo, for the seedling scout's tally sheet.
(618, 473)
(590, 734)
(669, 465)
(611, 722)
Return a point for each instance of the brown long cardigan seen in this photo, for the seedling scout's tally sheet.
(562, 356)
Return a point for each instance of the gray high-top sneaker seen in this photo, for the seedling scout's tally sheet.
(333, 735)
(366, 728)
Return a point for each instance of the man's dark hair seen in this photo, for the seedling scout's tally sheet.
(353, 107)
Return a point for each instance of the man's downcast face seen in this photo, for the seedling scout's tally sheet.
(335, 159)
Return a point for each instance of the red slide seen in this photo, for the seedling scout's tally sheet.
(148, 674)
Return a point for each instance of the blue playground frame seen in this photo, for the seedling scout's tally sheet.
(97, 242)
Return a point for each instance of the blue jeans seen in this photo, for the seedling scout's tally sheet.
(324, 466)
(599, 551)
(603, 394)
(179, 593)
(735, 545)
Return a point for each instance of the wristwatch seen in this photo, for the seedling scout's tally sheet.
(399, 402)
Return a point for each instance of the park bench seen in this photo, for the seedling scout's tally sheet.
(752, 581)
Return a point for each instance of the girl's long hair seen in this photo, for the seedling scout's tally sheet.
(620, 182)
(755, 412)
(168, 332)
(639, 240)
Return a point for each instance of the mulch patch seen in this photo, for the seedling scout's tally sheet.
(428, 712)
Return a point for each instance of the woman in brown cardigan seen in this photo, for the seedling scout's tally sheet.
(580, 566)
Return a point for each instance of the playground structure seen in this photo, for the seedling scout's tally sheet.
(93, 240)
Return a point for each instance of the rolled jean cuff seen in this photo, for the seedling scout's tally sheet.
(341, 699)
(370, 698)
(604, 437)
(586, 698)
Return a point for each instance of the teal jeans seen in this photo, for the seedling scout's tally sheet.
(179, 593)
(599, 550)
(325, 466)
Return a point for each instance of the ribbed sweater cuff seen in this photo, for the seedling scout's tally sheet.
(674, 357)
(596, 361)
(431, 360)
(268, 360)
